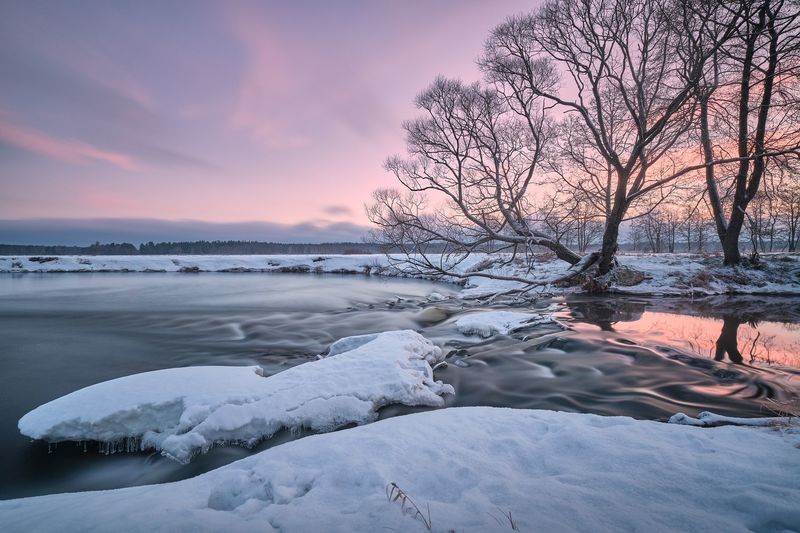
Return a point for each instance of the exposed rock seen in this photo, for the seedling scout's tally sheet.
(628, 277)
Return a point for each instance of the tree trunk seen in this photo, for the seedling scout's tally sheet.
(609, 246)
(730, 244)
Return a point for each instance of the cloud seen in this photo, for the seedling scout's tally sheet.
(265, 103)
(161, 155)
(136, 230)
(337, 210)
(68, 150)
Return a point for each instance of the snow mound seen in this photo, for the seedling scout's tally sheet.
(470, 468)
(490, 323)
(706, 419)
(181, 411)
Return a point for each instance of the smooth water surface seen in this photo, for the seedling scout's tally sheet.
(609, 355)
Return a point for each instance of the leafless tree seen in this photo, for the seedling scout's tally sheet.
(619, 105)
(786, 191)
(696, 225)
(762, 222)
(571, 219)
(749, 111)
(624, 72)
(637, 238)
(478, 149)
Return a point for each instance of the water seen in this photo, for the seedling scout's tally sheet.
(617, 356)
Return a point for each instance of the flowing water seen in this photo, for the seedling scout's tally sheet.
(607, 355)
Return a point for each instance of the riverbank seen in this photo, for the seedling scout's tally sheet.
(467, 469)
(644, 274)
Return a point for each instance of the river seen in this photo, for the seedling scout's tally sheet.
(645, 358)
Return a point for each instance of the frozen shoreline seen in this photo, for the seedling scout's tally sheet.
(664, 274)
(470, 468)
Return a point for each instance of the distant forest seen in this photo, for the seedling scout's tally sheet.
(650, 241)
(197, 248)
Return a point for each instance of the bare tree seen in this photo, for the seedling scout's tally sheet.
(749, 111)
(571, 219)
(696, 225)
(477, 149)
(625, 73)
(786, 191)
(762, 222)
(637, 237)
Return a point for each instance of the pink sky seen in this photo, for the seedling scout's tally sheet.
(222, 112)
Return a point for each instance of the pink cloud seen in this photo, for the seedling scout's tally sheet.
(68, 150)
(266, 85)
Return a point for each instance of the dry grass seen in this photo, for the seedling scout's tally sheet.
(508, 518)
(787, 409)
(396, 494)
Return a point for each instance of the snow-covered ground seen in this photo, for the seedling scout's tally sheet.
(181, 411)
(467, 469)
(667, 274)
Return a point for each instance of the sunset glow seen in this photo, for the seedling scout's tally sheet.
(220, 112)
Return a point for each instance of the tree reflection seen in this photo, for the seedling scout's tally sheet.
(714, 331)
(728, 341)
(607, 312)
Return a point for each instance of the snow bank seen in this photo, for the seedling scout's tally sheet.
(349, 264)
(490, 323)
(181, 411)
(471, 468)
(669, 274)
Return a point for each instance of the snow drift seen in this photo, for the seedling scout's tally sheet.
(181, 411)
(472, 469)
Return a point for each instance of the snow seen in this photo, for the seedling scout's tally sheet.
(666, 274)
(351, 264)
(488, 323)
(706, 419)
(181, 411)
(470, 468)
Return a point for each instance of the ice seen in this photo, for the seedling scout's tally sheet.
(182, 411)
(488, 323)
(470, 468)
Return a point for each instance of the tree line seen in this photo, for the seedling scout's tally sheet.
(672, 116)
(198, 248)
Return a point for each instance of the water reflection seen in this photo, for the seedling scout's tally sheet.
(740, 330)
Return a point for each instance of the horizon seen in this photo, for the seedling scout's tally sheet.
(241, 117)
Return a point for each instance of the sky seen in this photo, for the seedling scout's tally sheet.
(226, 117)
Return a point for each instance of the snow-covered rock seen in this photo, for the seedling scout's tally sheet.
(181, 411)
(488, 323)
(473, 469)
